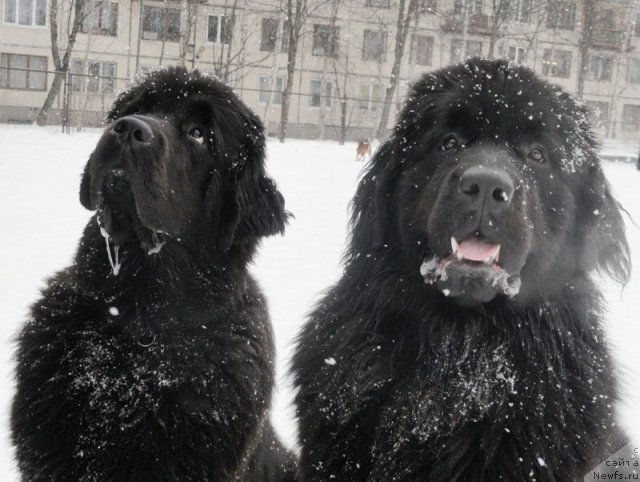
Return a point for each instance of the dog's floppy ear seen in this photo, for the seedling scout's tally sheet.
(85, 189)
(253, 207)
(601, 228)
(371, 205)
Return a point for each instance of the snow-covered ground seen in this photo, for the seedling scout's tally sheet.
(41, 221)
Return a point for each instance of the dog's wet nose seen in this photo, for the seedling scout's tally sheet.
(490, 189)
(132, 128)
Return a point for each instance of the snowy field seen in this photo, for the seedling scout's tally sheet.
(41, 220)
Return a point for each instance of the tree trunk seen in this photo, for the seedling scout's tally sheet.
(54, 90)
(492, 44)
(343, 121)
(295, 27)
(402, 29)
(60, 64)
(588, 23)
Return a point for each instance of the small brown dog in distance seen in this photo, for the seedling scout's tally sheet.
(364, 148)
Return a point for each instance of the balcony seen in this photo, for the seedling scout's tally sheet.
(607, 39)
(452, 23)
(477, 24)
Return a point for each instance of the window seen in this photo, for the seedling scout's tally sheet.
(23, 72)
(634, 71)
(604, 19)
(321, 94)
(94, 76)
(370, 97)
(269, 35)
(516, 55)
(325, 40)
(374, 46)
(474, 48)
(461, 50)
(599, 67)
(267, 95)
(475, 6)
(556, 63)
(100, 18)
(161, 23)
(422, 50)
(630, 117)
(378, 3)
(25, 12)
(520, 11)
(427, 6)
(219, 29)
(561, 15)
(284, 45)
(599, 113)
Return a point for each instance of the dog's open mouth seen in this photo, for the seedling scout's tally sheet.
(472, 270)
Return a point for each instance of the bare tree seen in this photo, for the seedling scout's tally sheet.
(186, 36)
(229, 58)
(342, 78)
(341, 95)
(61, 62)
(502, 11)
(222, 59)
(586, 39)
(296, 16)
(408, 11)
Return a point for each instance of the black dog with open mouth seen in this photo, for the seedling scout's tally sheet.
(151, 357)
(463, 341)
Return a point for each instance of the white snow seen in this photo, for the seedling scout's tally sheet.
(41, 221)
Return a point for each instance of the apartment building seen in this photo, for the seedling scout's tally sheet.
(344, 58)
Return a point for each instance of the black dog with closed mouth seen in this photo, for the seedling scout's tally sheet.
(463, 341)
(151, 356)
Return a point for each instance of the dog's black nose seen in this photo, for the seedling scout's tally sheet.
(132, 128)
(490, 189)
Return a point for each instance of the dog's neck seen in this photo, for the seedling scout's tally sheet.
(174, 270)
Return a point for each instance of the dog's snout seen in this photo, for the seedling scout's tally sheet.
(133, 129)
(490, 189)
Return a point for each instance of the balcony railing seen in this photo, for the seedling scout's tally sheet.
(607, 39)
(452, 23)
(478, 24)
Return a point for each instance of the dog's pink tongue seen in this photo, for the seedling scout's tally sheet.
(476, 250)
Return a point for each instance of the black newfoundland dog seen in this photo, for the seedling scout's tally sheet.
(151, 356)
(463, 341)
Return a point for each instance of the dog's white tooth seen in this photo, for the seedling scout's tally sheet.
(489, 260)
(454, 245)
(458, 256)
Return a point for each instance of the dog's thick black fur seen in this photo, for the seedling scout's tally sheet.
(151, 357)
(463, 341)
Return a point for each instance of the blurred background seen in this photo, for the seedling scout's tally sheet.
(313, 69)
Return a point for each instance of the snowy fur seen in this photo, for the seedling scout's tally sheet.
(164, 369)
(425, 387)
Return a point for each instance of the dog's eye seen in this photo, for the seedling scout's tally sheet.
(449, 143)
(536, 155)
(197, 134)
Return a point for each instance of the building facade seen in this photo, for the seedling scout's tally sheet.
(345, 54)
